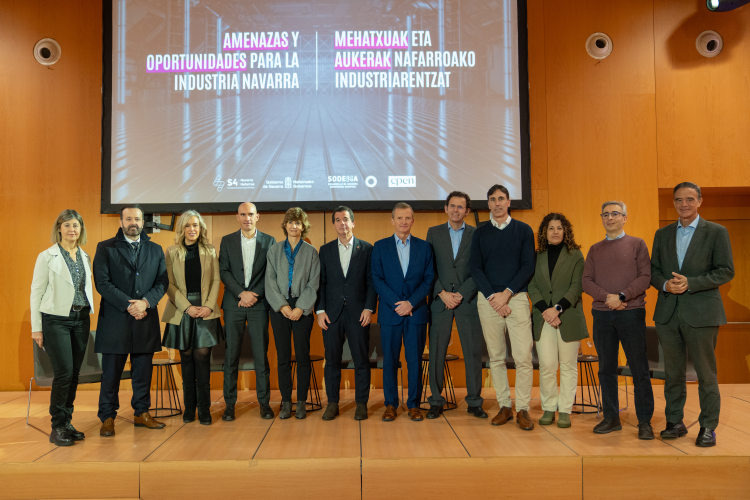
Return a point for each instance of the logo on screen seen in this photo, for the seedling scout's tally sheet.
(288, 183)
(371, 181)
(399, 181)
(219, 183)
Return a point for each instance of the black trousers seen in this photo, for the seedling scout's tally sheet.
(283, 329)
(677, 338)
(629, 328)
(65, 340)
(470, 335)
(112, 367)
(346, 327)
(234, 328)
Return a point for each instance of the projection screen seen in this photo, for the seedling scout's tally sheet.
(209, 103)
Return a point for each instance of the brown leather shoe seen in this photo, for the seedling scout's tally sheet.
(505, 415)
(524, 420)
(390, 414)
(108, 428)
(415, 414)
(146, 420)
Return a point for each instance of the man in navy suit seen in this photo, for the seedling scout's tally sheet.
(402, 272)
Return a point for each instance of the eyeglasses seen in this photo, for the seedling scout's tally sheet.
(614, 215)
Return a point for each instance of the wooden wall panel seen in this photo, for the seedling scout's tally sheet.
(50, 121)
(702, 104)
(600, 120)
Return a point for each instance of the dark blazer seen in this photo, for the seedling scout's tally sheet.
(232, 269)
(356, 289)
(566, 282)
(391, 284)
(119, 279)
(448, 270)
(708, 264)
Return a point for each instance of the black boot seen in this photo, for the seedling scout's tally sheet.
(204, 415)
(59, 437)
(74, 434)
(189, 398)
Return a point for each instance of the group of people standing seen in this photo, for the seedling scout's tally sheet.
(481, 278)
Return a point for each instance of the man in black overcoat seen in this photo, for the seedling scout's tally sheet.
(131, 276)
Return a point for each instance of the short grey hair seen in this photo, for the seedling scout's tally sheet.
(620, 204)
(401, 206)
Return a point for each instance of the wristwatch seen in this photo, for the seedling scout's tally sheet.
(558, 308)
(622, 296)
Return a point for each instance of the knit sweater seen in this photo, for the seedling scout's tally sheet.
(502, 258)
(614, 266)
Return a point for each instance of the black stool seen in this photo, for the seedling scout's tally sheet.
(450, 394)
(586, 369)
(165, 383)
(314, 391)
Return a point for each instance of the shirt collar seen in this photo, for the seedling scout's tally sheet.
(348, 243)
(495, 223)
(693, 224)
(622, 235)
(463, 226)
(249, 239)
(130, 242)
(398, 240)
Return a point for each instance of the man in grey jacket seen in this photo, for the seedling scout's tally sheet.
(454, 295)
(690, 260)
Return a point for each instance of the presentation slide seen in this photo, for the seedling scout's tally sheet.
(314, 103)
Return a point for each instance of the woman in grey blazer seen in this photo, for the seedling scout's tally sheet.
(292, 279)
(61, 302)
(559, 323)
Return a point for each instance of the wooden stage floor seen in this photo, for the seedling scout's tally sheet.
(455, 455)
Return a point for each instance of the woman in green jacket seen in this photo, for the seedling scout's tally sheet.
(559, 323)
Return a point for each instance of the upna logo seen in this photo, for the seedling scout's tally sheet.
(398, 181)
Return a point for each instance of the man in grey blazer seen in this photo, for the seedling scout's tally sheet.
(242, 262)
(454, 295)
(690, 260)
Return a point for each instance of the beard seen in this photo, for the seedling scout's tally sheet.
(133, 231)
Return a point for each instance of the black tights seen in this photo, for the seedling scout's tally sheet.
(196, 377)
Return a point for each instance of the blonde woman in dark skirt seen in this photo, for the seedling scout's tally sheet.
(192, 314)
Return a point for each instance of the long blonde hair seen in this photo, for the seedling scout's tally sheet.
(179, 238)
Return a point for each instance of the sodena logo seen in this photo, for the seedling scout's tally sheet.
(395, 181)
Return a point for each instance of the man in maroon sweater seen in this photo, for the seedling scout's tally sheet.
(617, 274)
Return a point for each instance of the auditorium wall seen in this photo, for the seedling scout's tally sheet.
(628, 127)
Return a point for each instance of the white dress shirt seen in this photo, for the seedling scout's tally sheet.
(248, 254)
(345, 254)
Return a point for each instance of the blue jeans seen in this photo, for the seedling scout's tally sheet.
(413, 337)
(629, 328)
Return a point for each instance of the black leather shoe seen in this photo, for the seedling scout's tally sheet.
(434, 412)
(228, 415)
(706, 438)
(59, 437)
(361, 412)
(204, 416)
(607, 426)
(477, 411)
(645, 431)
(673, 431)
(266, 411)
(73, 433)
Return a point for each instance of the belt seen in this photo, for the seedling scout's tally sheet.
(77, 308)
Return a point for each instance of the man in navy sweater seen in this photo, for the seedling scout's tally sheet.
(502, 264)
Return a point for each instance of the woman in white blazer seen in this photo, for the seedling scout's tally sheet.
(61, 301)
